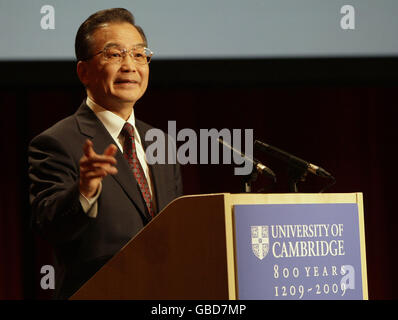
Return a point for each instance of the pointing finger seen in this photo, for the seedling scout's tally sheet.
(88, 148)
(110, 150)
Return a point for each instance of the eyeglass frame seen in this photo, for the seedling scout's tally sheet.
(124, 53)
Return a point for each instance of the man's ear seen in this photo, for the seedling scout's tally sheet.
(82, 72)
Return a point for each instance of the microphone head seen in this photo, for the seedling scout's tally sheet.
(263, 169)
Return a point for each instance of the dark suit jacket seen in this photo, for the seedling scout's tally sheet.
(82, 244)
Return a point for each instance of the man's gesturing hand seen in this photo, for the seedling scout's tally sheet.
(94, 167)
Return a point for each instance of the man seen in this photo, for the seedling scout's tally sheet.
(91, 188)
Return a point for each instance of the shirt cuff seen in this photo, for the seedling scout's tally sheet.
(90, 205)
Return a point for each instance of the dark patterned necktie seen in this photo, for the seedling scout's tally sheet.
(130, 153)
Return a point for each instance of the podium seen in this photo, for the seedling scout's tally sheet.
(242, 246)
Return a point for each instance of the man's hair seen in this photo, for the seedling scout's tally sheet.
(83, 41)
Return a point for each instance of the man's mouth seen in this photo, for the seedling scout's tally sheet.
(127, 81)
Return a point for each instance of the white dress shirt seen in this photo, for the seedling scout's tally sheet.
(114, 125)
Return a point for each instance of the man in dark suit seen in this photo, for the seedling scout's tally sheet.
(91, 187)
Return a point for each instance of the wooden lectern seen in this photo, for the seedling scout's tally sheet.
(188, 250)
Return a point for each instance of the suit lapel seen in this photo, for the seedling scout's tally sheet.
(92, 127)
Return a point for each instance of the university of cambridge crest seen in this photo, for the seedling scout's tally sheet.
(260, 241)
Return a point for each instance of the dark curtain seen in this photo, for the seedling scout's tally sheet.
(348, 129)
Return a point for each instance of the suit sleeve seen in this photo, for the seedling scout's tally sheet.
(54, 191)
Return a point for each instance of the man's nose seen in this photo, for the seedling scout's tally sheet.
(128, 64)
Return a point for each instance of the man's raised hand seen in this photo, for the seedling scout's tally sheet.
(94, 167)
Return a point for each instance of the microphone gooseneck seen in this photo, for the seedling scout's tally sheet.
(292, 160)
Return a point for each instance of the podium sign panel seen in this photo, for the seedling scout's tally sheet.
(299, 251)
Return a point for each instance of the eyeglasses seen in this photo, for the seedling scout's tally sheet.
(115, 54)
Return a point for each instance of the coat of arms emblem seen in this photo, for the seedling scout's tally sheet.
(260, 241)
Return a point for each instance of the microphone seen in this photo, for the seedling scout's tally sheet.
(291, 159)
(257, 164)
